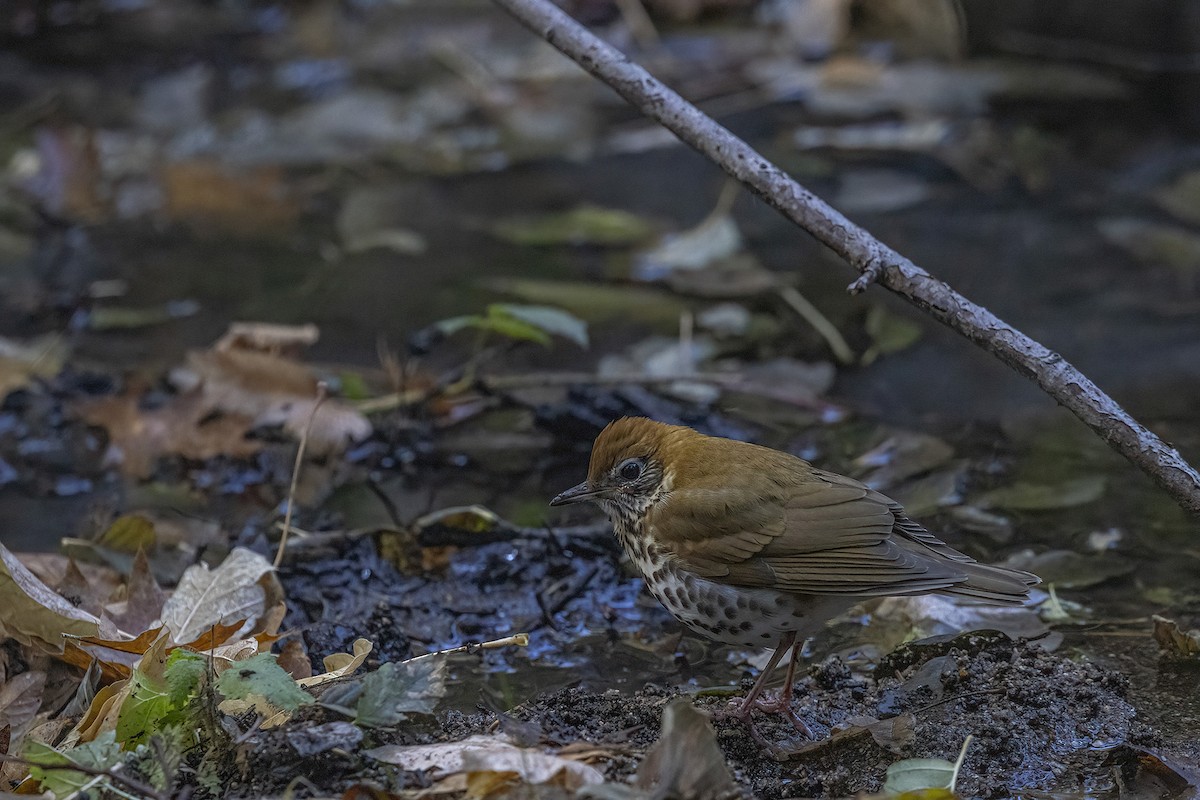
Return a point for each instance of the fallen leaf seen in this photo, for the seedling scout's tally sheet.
(129, 533)
(213, 198)
(400, 688)
(490, 763)
(1067, 569)
(207, 597)
(32, 613)
(339, 665)
(585, 225)
(1045, 496)
(20, 699)
(261, 677)
(1173, 640)
(711, 241)
(23, 362)
(294, 660)
(268, 337)
(47, 769)
(144, 598)
(272, 391)
(686, 760)
(184, 426)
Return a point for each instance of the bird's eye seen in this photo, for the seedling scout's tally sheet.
(631, 470)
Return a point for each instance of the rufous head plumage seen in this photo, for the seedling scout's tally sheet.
(633, 462)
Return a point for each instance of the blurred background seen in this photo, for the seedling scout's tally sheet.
(209, 210)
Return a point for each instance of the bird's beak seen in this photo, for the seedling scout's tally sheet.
(576, 494)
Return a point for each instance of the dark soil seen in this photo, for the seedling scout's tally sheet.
(1039, 722)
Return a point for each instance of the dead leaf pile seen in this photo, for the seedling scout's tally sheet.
(243, 384)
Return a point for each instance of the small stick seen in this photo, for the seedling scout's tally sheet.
(516, 640)
(820, 323)
(322, 390)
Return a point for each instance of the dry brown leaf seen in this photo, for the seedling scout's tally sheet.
(339, 665)
(207, 597)
(214, 198)
(102, 715)
(143, 601)
(111, 670)
(490, 764)
(52, 569)
(294, 660)
(20, 699)
(185, 426)
(1175, 641)
(271, 390)
(42, 731)
(268, 337)
(32, 613)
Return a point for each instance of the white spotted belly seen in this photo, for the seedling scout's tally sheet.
(750, 617)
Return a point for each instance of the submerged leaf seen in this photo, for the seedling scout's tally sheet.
(585, 225)
(397, 689)
(1045, 496)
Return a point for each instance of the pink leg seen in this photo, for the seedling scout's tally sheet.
(782, 704)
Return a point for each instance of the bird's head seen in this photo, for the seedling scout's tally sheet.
(633, 466)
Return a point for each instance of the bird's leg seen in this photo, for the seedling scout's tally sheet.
(783, 703)
(751, 700)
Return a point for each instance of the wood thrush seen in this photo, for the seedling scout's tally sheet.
(748, 545)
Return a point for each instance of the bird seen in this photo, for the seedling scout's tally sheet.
(752, 546)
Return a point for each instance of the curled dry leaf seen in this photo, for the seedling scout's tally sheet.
(686, 760)
(204, 597)
(339, 665)
(32, 613)
(1173, 640)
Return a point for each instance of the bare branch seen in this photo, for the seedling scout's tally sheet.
(870, 257)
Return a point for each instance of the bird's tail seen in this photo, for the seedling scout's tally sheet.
(998, 585)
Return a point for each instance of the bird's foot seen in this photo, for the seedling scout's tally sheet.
(781, 705)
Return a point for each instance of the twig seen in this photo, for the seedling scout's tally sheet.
(516, 640)
(322, 390)
(112, 774)
(820, 323)
(1058, 378)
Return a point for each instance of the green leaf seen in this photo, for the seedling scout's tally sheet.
(143, 710)
(580, 226)
(183, 673)
(455, 324)
(48, 764)
(262, 675)
(554, 321)
(513, 328)
(396, 689)
(890, 333)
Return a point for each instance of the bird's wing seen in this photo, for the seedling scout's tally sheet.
(830, 535)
